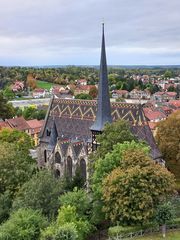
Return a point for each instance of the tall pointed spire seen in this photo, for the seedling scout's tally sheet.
(103, 106)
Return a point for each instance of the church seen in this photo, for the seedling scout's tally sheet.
(71, 126)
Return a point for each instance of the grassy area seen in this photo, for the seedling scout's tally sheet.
(175, 235)
(44, 85)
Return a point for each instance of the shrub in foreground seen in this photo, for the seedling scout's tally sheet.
(25, 224)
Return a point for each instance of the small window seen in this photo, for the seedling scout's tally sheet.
(45, 156)
(48, 132)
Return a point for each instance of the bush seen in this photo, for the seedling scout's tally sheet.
(79, 199)
(119, 230)
(66, 232)
(25, 224)
(68, 214)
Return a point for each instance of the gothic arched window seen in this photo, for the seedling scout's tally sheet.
(83, 169)
(57, 158)
(69, 167)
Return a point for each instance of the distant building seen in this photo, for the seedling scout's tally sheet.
(82, 82)
(83, 89)
(120, 94)
(164, 96)
(139, 94)
(34, 129)
(154, 115)
(18, 123)
(175, 104)
(39, 93)
(31, 127)
(17, 86)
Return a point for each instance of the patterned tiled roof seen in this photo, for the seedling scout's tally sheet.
(75, 117)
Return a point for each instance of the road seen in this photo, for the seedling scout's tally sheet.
(26, 103)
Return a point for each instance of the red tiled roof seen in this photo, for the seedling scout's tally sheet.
(172, 94)
(34, 123)
(82, 80)
(155, 115)
(120, 91)
(18, 123)
(4, 125)
(175, 103)
(159, 93)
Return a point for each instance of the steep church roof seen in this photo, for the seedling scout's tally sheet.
(103, 114)
(74, 118)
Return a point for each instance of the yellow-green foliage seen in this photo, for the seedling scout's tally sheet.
(168, 139)
(132, 191)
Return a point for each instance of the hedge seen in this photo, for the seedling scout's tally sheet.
(120, 230)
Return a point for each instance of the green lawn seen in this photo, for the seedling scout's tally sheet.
(175, 235)
(44, 85)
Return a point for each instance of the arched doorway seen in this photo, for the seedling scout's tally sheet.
(69, 167)
(45, 156)
(57, 157)
(83, 169)
(57, 173)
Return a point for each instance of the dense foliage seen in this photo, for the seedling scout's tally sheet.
(104, 166)
(6, 109)
(117, 132)
(168, 139)
(133, 190)
(25, 224)
(40, 193)
(16, 167)
(31, 113)
(79, 199)
(21, 140)
(65, 232)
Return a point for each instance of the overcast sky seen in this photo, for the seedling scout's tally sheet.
(48, 32)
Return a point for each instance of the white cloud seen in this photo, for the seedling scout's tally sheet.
(68, 31)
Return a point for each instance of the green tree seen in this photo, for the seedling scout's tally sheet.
(68, 214)
(117, 132)
(22, 140)
(164, 213)
(29, 112)
(168, 139)
(6, 109)
(8, 93)
(132, 191)
(93, 92)
(83, 96)
(79, 199)
(41, 192)
(168, 74)
(103, 167)
(16, 167)
(25, 224)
